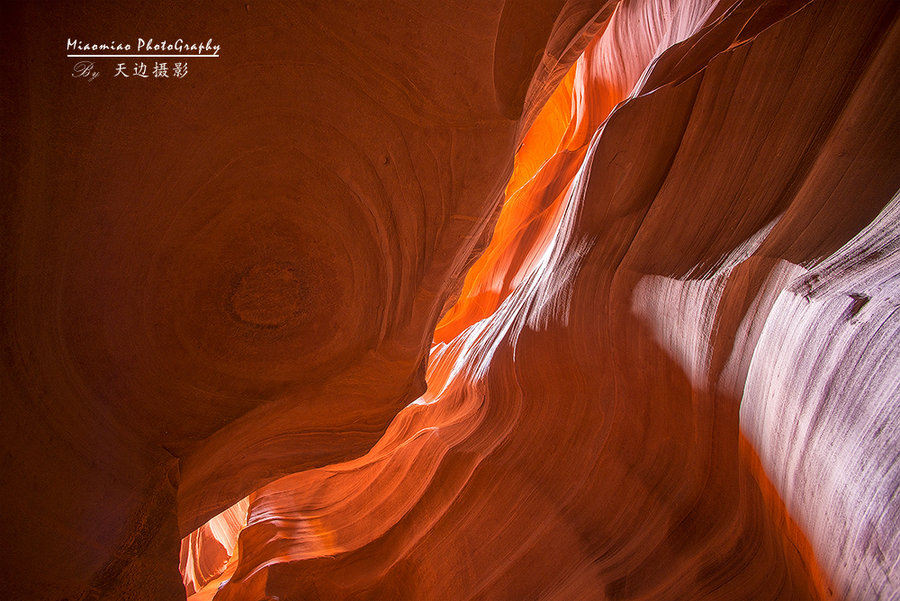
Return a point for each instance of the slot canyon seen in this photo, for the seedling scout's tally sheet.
(427, 300)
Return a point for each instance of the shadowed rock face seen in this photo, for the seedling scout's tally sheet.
(670, 372)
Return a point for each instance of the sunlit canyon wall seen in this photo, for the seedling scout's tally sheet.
(504, 301)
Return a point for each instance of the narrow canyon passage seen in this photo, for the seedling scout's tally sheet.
(516, 300)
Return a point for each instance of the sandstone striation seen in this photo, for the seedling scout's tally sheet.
(551, 299)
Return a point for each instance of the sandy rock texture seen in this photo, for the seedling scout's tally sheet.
(551, 299)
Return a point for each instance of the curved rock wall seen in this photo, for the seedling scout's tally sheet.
(669, 374)
(635, 397)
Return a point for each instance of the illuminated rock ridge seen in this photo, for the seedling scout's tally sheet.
(546, 300)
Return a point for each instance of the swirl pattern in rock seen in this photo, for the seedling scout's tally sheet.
(592, 427)
(664, 370)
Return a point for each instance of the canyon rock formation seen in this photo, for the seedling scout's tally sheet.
(536, 299)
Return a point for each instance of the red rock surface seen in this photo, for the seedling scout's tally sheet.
(661, 284)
